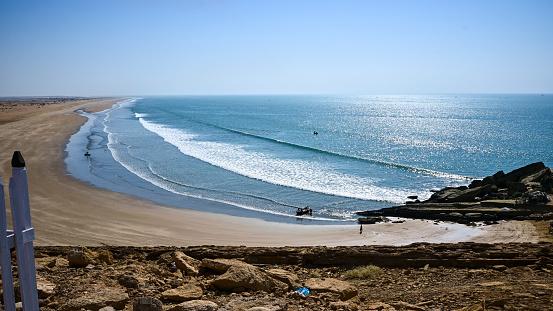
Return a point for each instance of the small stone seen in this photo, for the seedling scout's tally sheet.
(183, 293)
(270, 308)
(185, 263)
(44, 287)
(195, 305)
(97, 296)
(492, 284)
(402, 305)
(342, 306)
(287, 277)
(500, 267)
(79, 257)
(344, 289)
(128, 281)
(380, 306)
(147, 304)
(58, 262)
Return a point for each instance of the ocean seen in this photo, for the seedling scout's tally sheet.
(266, 156)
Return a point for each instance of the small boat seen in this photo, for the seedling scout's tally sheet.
(304, 211)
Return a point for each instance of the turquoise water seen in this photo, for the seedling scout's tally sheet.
(258, 155)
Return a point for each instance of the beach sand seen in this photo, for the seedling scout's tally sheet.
(66, 211)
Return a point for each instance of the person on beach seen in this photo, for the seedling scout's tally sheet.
(361, 229)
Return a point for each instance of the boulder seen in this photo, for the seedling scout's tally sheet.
(441, 195)
(547, 183)
(473, 215)
(321, 285)
(185, 263)
(520, 173)
(371, 220)
(182, 293)
(290, 278)
(247, 277)
(537, 177)
(195, 305)
(147, 304)
(488, 180)
(475, 183)
(535, 197)
(516, 188)
(221, 265)
(97, 296)
(457, 195)
(128, 281)
(80, 257)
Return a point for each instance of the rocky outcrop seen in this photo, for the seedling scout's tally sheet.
(413, 277)
(532, 177)
(523, 194)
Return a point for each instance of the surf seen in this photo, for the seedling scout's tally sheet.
(292, 173)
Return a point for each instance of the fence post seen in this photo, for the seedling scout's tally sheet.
(5, 255)
(24, 233)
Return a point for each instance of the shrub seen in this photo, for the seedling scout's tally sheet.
(365, 272)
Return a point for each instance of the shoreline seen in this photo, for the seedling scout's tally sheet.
(67, 211)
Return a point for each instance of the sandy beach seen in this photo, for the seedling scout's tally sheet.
(66, 211)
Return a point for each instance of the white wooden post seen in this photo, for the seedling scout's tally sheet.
(6, 244)
(24, 233)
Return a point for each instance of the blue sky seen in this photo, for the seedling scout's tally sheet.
(275, 47)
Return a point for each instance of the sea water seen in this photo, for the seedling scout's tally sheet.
(266, 156)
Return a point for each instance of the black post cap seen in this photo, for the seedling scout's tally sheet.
(17, 159)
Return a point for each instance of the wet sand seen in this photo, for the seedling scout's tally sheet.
(66, 211)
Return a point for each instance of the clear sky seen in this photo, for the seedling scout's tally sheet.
(271, 47)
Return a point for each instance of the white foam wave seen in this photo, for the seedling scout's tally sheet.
(300, 174)
(113, 146)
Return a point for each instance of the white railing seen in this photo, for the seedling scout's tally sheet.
(21, 238)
